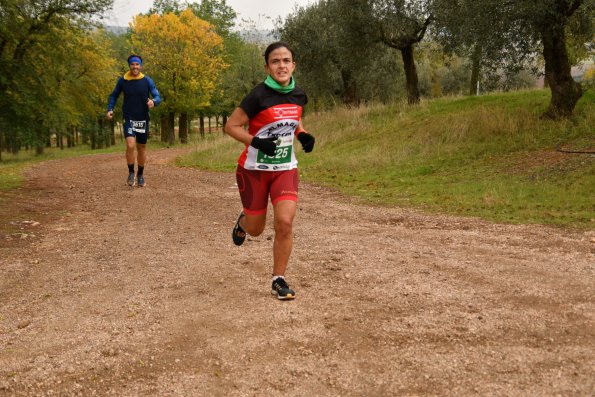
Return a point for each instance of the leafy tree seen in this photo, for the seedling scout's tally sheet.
(229, 83)
(549, 19)
(334, 49)
(245, 71)
(440, 73)
(184, 56)
(508, 35)
(32, 71)
(217, 13)
(402, 24)
(162, 7)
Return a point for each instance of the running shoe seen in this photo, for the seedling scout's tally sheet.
(238, 234)
(140, 181)
(130, 180)
(282, 290)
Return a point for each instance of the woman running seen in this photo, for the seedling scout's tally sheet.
(268, 166)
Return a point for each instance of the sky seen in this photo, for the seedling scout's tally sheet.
(262, 12)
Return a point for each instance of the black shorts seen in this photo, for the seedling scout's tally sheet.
(138, 129)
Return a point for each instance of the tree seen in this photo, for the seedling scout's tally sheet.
(225, 96)
(550, 22)
(32, 72)
(217, 13)
(508, 35)
(163, 7)
(335, 48)
(401, 25)
(244, 72)
(322, 62)
(183, 55)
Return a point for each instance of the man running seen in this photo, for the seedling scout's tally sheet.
(268, 167)
(136, 87)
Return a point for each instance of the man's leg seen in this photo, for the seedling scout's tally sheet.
(130, 143)
(141, 154)
(141, 158)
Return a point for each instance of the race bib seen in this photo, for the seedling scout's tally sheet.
(137, 127)
(281, 157)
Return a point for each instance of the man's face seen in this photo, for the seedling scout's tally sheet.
(135, 68)
(280, 65)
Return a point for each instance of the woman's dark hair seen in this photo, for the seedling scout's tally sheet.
(273, 46)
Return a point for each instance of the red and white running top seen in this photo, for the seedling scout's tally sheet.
(272, 114)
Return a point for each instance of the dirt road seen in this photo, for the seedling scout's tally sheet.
(112, 291)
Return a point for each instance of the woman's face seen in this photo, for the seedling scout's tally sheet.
(280, 65)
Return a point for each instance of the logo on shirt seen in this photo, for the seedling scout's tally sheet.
(286, 112)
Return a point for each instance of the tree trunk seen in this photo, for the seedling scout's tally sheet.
(164, 128)
(202, 126)
(93, 135)
(12, 141)
(112, 128)
(104, 132)
(99, 138)
(410, 75)
(349, 89)
(39, 142)
(183, 127)
(171, 127)
(69, 137)
(85, 137)
(565, 91)
(475, 58)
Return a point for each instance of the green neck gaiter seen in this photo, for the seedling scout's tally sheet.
(271, 83)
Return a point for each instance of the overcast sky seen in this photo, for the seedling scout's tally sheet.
(262, 12)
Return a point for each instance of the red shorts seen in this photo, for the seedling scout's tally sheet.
(256, 186)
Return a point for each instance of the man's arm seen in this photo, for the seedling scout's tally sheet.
(111, 103)
(156, 98)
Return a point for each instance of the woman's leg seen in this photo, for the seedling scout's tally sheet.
(284, 212)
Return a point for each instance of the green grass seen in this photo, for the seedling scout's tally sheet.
(13, 166)
(215, 152)
(491, 157)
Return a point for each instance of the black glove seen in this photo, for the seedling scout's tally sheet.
(265, 145)
(307, 141)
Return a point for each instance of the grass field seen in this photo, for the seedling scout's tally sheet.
(490, 156)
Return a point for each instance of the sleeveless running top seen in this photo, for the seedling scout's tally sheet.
(272, 114)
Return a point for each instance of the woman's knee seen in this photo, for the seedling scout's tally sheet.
(283, 226)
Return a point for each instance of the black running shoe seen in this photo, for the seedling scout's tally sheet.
(140, 181)
(130, 180)
(238, 234)
(282, 290)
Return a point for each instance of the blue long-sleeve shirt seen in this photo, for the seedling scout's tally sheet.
(136, 93)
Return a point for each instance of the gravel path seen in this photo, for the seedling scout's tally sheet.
(111, 291)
